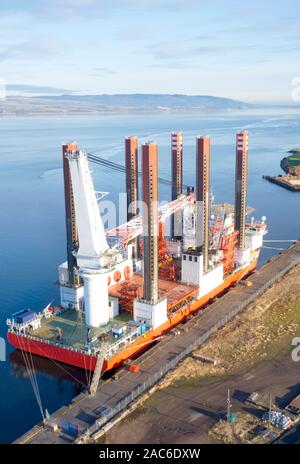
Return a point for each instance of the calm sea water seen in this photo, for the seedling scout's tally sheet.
(32, 232)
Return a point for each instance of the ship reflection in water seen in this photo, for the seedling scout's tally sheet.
(52, 370)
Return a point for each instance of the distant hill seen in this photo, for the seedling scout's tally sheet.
(156, 100)
(119, 103)
(23, 89)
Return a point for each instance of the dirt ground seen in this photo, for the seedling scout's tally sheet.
(263, 331)
(252, 352)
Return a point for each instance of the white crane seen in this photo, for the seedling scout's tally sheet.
(92, 241)
(95, 258)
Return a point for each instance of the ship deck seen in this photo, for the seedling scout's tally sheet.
(73, 327)
(74, 330)
(174, 291)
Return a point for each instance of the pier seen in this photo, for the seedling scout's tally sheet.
(92, 415)
(285, 181)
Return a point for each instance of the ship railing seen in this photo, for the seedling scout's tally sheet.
(49, 342)
(114, 348)
(125, 340)
(20, 327)
(184, 307)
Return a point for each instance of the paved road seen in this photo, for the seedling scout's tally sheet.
(82, 411)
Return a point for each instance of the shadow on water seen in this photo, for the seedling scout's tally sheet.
(47, 367)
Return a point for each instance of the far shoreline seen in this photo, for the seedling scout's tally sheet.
(253, 111)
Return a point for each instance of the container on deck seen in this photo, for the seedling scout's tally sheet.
(141, 326)
(24, 316)
(119, 331)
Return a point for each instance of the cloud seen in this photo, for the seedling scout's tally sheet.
(67, 9)
(185, 50)
(134, 34)
(104, 71)
(179, 65)
(31, 49)
(183, 53)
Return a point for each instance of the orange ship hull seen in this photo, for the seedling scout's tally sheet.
(84, 361)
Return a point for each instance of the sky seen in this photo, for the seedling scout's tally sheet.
(248, 50)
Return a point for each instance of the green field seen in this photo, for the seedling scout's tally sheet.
(294, 158)
(291, 161)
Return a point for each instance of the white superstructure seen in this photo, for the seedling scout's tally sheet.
(101, 265)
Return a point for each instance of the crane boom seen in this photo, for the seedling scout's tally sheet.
(92, 239)
(133, 228)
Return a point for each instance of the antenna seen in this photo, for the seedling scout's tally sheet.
(229, 406)
(270, 405)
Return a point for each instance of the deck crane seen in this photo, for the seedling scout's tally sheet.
(95, 256)
(93, 246)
